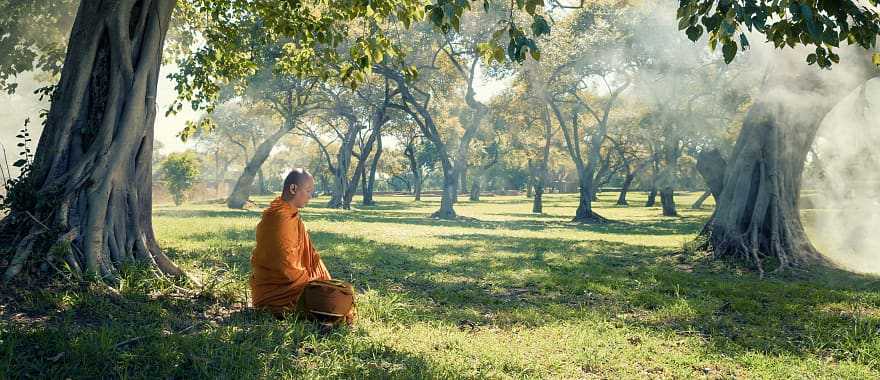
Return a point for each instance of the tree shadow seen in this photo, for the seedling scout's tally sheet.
(501, 281)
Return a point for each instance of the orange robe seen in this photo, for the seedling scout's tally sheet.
(284, 260)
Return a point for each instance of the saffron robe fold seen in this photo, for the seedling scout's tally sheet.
(284, 260)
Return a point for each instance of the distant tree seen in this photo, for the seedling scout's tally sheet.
(180, 171)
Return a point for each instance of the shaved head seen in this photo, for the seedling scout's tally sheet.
(298, 177)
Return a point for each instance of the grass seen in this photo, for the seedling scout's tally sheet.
(505, 295)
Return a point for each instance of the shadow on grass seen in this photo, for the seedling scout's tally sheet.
(88, 334)
(501, 281)
(504, 281)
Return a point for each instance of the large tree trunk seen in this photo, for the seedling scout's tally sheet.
(757, 217)
(242, 190)
(91, 177)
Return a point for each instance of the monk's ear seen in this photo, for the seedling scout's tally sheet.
(292, 189)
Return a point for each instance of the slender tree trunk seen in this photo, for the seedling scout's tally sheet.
(417, 187)
(598, 181)
(655, 174)
(92, 167)
(538, 201)
(541, 177)
(261, 182)
(416, 170)
(360, 171)
(429, 130)
(343, 161)
(242, 190)
(530, 179)
(447, 198)
(667, 201)
(652, 197)
(464, 179)
(368, 189)
(699, 203)
(627, 183)
(475, 189)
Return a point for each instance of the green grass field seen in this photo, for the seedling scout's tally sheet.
(508, 294)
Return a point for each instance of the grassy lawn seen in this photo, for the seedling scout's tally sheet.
(505, 295)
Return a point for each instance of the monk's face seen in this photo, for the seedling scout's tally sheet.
(302, 193)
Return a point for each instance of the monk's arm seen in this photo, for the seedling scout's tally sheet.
(289, 248)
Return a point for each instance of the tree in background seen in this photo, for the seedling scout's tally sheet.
(180, 171)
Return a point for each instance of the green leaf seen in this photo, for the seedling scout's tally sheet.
(19, 163)
(743, 41)
(834, 57)
(694, 32)
(807, 14)
(540, 26)
(436, 16)
(811, 58)
(729, 51)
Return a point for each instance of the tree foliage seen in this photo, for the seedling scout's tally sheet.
(180, 171)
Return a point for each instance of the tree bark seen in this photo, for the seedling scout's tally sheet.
(541, 177)
(475, 190)
(655, 174)
(652, 197)
(584, 213)
(368, 189)
(757, 216)
(91, 176)
(667, 201)
(711, 166)
(343, 162)
(416, 170)
(423, 118)
(627, 183)
(242, 190)
(699, 203)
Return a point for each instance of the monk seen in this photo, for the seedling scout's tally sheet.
(284, 260)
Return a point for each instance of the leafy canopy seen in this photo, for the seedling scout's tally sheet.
(330, 39)
(821, 23)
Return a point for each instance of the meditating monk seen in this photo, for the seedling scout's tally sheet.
(284, 260)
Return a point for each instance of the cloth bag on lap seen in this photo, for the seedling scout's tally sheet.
(329, 301)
